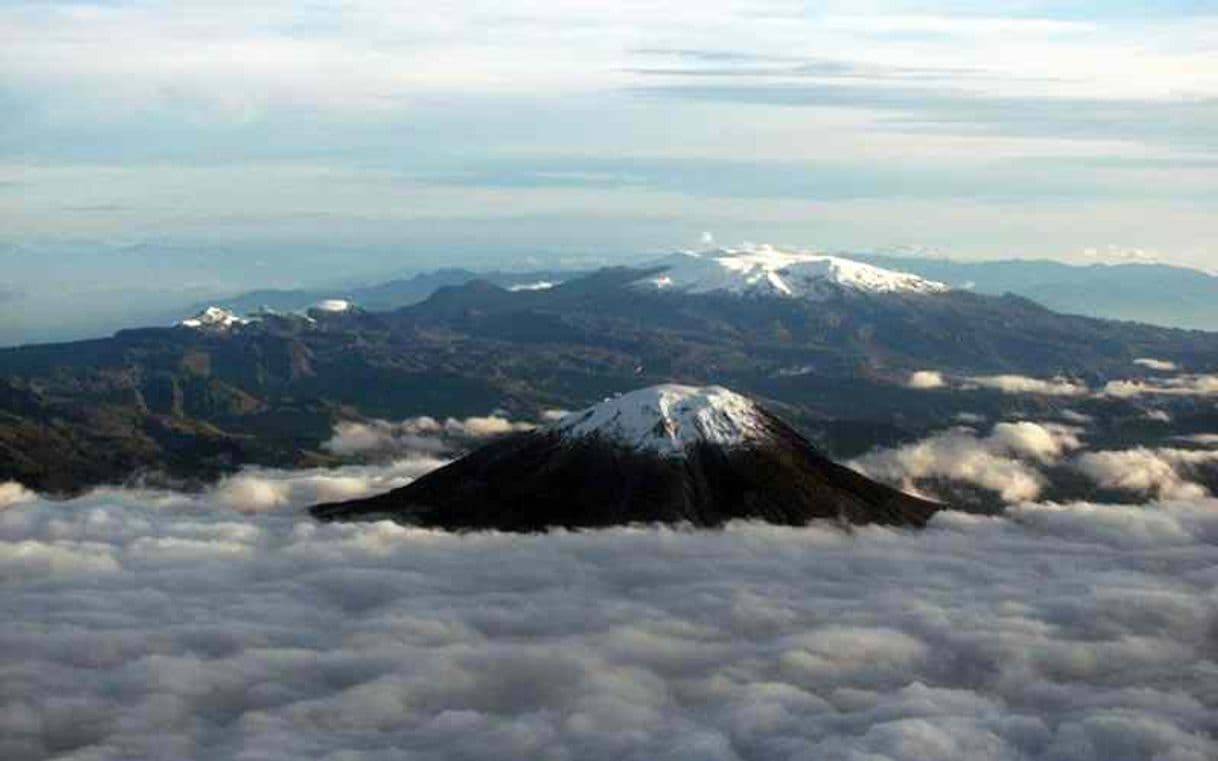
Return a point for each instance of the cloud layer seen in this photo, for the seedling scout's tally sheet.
(1181, 385)
(417, 434)
(1164, 472)
(150, 625)
(1019, 461)
(1005, 461)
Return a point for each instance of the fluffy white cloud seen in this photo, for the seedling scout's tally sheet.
(1007, 384)
(1163, 472)
(1041, 441)
(258, 490)
(12, 493)
(1022, 384)
(1003, 462)
(926, 379)
(1124, 388)
(146, 624)
(480, 427)
(422, 434)
(1194, 385)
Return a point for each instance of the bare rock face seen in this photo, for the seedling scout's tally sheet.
(664, 454)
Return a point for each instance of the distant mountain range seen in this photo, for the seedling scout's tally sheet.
(1153, 293)
(1158, 294)
(829, 345)
(390, 294)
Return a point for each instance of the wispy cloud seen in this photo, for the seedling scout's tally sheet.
(607, 127)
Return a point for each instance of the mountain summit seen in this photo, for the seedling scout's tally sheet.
(669, 419)
(764, 270)
(664, 454)
(213, 318)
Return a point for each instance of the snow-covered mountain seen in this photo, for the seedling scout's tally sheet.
(217, 319)
(213, 318)
(764, 270)
(663, 454)
(669, 419)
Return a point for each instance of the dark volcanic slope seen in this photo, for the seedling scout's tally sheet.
(533, 481)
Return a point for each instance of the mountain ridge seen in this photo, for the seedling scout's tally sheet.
(198, 404)
(1132, 291)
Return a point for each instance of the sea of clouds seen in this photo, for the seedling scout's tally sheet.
(144, 624)
(1019, 460)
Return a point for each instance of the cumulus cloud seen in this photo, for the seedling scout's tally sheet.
(1003, 461)
(1183, 385)
(419, 434)
(142, 625)
(481, 427)
(926, 379)
(258, 489)
(1022, 384)
(1159, 365)
(1125, 388)
(1164, 472)
(1007, 384)
(12, 493)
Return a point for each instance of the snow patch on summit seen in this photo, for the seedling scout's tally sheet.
(765, 270)
(213, 318)
(668, 419)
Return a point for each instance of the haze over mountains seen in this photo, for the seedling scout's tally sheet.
(1155, 293)
(1133, 291)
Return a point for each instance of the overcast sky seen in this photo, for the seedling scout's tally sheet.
(195, 147)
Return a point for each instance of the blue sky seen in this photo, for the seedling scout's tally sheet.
(151, 150)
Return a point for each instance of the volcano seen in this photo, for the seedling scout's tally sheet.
(663, 454)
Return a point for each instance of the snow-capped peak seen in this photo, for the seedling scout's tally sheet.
(770, 271)
(668, 419)
(214, 318)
